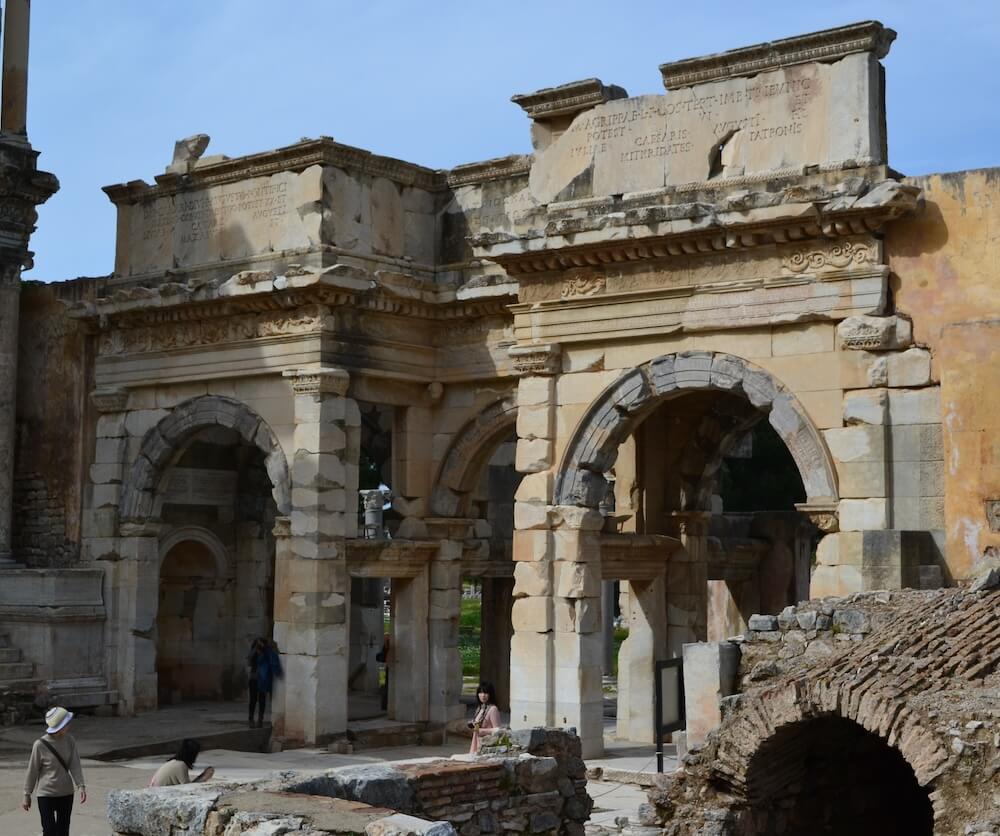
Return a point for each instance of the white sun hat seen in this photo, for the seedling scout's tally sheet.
(57, 719)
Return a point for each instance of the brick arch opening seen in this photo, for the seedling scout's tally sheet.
(829, 775)
(617, 412)
(165, 442)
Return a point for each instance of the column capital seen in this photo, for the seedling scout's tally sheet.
(109, 400)
(824, 516)
(541, 359)
(323, 380)
(282, 527)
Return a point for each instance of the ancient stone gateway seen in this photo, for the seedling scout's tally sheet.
(695, 350)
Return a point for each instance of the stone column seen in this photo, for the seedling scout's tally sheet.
(409, 671)
(532, 648)
(646, 644)
(687, 582)
(312, 587)
(22, 188)
(14, 110)
(132, 616)
(445, 680)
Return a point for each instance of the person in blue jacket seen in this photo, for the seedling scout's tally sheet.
(265, 667)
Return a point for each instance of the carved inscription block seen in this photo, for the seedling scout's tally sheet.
(225, 222)
(808, 114)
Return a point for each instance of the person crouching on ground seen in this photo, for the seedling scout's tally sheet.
(487, 716)
(177, 770)
(53, 769)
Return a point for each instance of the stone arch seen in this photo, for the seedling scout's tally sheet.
(163, 443)
(764, 719)
(469, 451)
(632, 397)
(199, 535)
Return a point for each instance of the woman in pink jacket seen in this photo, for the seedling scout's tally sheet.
(487, 716)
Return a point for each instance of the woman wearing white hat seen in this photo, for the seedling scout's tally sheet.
(52, 771)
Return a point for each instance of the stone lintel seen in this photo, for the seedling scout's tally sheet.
(318, 381)
(541, 359)
(567, 99)
(636, 557)
(389, 558)
(825, 46)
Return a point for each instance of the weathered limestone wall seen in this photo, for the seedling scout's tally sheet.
(945, 263)
(54, 426)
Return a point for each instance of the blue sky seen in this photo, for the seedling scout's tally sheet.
(114, 82)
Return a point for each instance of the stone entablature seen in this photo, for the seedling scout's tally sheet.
(827, 45)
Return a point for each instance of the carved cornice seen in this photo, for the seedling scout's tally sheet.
(658, 232)
(501, 168)
(543, 359)
(325, 381)
(567, 99)
(302, 155)
(825, 46)
(22, 188)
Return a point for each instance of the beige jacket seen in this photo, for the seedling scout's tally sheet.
(46, 777)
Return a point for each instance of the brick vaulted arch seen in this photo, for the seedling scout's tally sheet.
(167, 438)
(631, 398)
(469, 451)
(929, 661)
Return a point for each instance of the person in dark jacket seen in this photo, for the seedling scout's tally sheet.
(265, 667)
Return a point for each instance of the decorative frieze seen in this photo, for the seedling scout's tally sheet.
(835, 256)
(582, 282)
(567, 99)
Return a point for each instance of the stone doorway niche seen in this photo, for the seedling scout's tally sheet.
(831, 777)
(216, 590)
(713, 457)
(488, 579)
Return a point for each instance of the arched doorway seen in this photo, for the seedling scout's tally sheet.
(194, 624)
(217, 566)
(210, 475)
(829, 776)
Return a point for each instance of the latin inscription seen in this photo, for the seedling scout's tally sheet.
(644, 132)
(201, 216)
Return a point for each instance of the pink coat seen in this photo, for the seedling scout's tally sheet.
(488, 718)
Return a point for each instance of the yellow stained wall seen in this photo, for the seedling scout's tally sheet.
(945, 266)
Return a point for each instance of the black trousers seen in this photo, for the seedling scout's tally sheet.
(55, 811)
(258, 700)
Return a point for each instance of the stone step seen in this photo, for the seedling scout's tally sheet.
(392, 735)
(19, 686)
(86, 699)
(15, 670)
(9, 654)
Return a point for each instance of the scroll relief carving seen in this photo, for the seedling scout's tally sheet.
(186, 334)
(837, 257)
(582, 283)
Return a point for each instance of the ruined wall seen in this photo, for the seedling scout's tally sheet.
(945, 263)
(54, 439)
